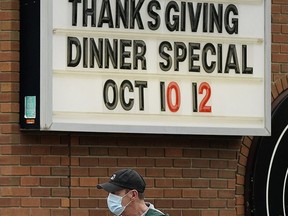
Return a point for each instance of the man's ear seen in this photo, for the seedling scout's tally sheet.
(134, 193)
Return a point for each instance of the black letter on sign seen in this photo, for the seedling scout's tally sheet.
(179, 56)
(207, 68)
(194, 17)
(233, 29)
(110, 105)
(219, 58)
(162, 96)
(96, 52)
(139, 55)
(193, 57)
(111, 53)
(74, 11)
(70, 42)
(126, 84)
(89, 12)
(122, 13)
(135, 14)
(154, 15)
(170, 26)
(232, 54)
(105, 9)
(165, 56)
(141, 85)
(205, 17)
(246, 70)
(216, 18)
(125, 54)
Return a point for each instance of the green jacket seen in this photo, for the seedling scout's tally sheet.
(153, 212)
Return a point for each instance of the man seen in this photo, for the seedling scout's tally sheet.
(126, 195)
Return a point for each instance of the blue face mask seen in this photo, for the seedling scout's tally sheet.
(115, 204)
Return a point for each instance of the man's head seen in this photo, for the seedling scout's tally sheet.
(126, 192)
(124, 179)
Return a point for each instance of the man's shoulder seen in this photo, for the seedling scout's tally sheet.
(154, 212)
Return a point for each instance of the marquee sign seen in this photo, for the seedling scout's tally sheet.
(158, 66)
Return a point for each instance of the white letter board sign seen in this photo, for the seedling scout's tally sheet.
(146, 66)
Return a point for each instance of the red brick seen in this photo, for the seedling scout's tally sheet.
(208, 193)
(155, 172)
(15, 211)
(30, 202)
(41, 192)
(136, 152)
(155, 152)
(163, 162)
(50, 161)
(145, 162)
(37, 211)
(209, 213)
(30, 160)
(9, 181)
(88, 203)
(79, 192)
(14, 192)
(10, 129)
(14, 171)
(88, 182)
(191, 193)
(40, 171)
(50, 202)
(226, 194)
(108, 162)
(154, 192)
(60, 212)
(172, 193)
(9, 5)
(127, 162)
(200, 163)
(60, 192)
(173, 173)
(200, 203)
(219, 183)
(40, 150)
(9, 160)
(60, 171)
(227, 212)
(200, 183)
(191, 173)
(276, 9)
(50, 182)
(10, 25)
(183, 183)
(30, 181)
(88, 162)
(173, 152)
(219, 164)
(162, 183)
(9, 202)
(218, 203)
(182, 203)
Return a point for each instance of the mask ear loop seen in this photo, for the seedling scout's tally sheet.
(134, 195)
(131, 199)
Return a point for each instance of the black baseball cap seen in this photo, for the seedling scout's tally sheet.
(124, 179)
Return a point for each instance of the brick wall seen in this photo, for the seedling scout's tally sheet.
(279, 39)
(55, 173)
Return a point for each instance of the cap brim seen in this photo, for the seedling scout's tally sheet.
(109, 187)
